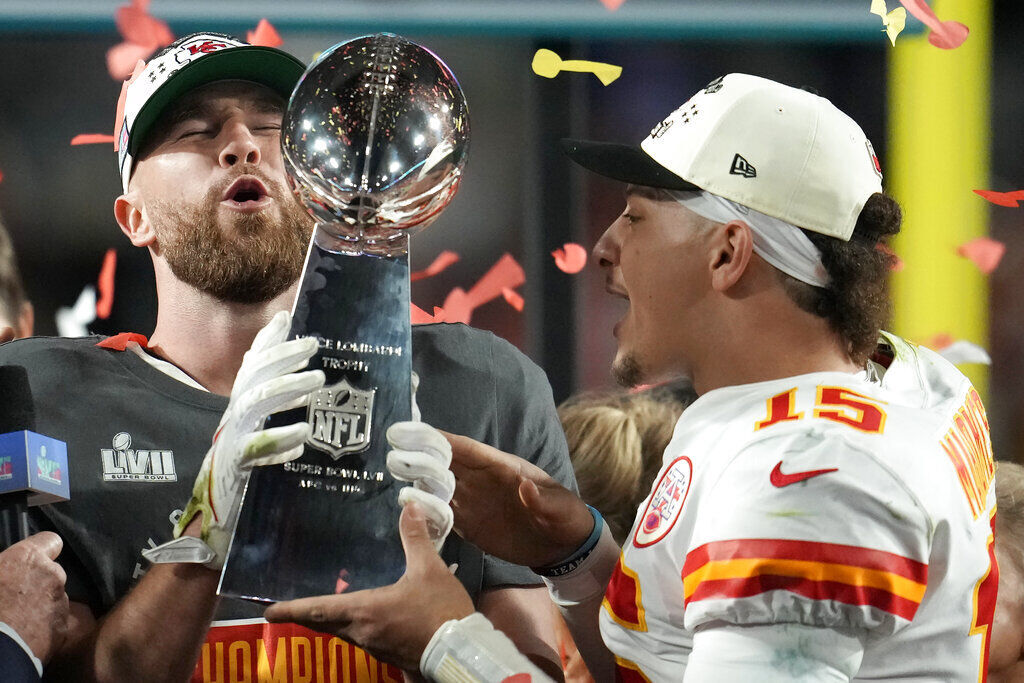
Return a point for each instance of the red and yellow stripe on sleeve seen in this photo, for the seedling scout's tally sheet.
(820, 571)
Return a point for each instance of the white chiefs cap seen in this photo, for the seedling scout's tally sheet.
(188, 63)
(782, 151)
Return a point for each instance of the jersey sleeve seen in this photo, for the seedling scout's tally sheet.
(807, 529)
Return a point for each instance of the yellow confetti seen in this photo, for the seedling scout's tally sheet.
(548, 64)
(894, 21)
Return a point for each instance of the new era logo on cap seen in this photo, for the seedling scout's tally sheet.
(741, 166)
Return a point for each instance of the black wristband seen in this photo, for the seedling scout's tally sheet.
(582, 553)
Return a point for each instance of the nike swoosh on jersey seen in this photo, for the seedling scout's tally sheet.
(779, 479)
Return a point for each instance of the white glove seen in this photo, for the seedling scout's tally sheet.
(268, 382)
(422, 456)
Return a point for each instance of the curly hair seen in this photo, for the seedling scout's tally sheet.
(856, 301)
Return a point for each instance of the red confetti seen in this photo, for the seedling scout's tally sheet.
(1002, 198)
(612, 5)
(505, 273)
(122, 57)
(419, 316)
(91, 139)
(457, 307)
(443, 260)
(513, 298)
(265, 35)
(501, 280)
(1, 176)
(571, 258)
(897, 264)
(143, 35)
(105, 285)
(945, 34)
(518, 678)
(137, 25)
(342, 584)
(984, 252)
(939, 341)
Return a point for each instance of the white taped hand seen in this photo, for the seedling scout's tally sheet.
(422, 456)
(268, 382)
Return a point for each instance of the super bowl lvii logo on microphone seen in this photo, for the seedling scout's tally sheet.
(47, 469)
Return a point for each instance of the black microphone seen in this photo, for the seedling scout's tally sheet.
(33, 467)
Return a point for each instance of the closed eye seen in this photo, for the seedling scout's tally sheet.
(191, 133)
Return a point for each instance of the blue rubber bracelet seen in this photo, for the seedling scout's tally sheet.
(582, 553)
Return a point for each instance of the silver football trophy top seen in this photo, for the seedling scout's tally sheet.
(374, 139)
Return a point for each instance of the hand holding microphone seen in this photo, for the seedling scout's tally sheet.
(32, 599)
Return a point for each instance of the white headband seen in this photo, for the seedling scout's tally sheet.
(781, 244)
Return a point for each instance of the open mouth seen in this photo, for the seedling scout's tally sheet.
(247, 193)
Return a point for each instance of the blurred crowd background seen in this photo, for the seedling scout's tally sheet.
(943, 123)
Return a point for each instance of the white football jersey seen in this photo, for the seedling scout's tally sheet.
(829, 499)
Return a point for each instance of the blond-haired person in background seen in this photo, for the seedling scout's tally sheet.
(616, 442)
(1006, 654)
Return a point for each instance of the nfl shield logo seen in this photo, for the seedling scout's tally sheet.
(340, 416)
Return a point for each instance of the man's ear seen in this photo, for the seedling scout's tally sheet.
(131, 216)
(733, 246)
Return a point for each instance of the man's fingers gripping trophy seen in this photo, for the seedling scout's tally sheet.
(422, 456)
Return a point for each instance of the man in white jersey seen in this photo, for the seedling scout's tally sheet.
(825, 508)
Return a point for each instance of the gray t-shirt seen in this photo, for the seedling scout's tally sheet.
(136, 438)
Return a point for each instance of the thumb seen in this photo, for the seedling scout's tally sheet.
(47, 542)
(562, 516)
(412, 527)
(532, 500)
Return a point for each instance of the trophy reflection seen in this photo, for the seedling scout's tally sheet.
(374, 139)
